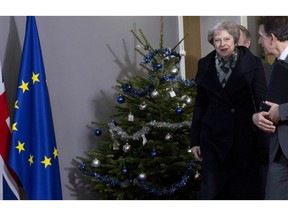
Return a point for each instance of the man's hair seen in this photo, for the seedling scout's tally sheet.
(246, 34)
(277, 25)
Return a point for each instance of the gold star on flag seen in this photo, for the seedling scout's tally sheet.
(35, 77)
(16, 105)
(14, 127)
(46, 161)
(24, 86)
(20, 147)
(31, 159)
(55, 152)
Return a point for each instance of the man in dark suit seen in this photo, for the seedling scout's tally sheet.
(245, 39)
(273, 36)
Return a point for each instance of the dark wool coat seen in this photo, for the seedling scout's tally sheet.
(222, 125)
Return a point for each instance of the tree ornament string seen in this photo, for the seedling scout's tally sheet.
(146, 129)
(128, 88)
(141, 181)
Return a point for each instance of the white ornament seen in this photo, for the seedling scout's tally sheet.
(172, 93)
(168, 136)
(174, 71)
(116, 145)
(95, 163)
(188, 100)
(189, 150)
(126, 148)
(144, 139)
(130, 117)
(182, 52)
(142, 176)
(154, 94)
(142, 106)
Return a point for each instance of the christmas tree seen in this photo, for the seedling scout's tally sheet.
(145, 153)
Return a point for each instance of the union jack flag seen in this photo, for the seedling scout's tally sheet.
(8, 186)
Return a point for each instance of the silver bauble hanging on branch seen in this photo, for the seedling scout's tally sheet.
(126, 148)
(188, 100)
(174, 71)
(168, 136)
(95, 163)
(143, 106)
(142, 176)
(154, 94)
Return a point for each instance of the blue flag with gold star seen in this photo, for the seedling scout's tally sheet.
(33, 151)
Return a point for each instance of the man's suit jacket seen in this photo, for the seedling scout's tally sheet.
(281, 133)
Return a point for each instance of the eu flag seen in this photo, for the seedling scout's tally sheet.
(33, 151)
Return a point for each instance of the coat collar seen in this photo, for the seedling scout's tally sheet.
(207, 76)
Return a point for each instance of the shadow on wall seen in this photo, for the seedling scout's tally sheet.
(11, 65)
(81, 186)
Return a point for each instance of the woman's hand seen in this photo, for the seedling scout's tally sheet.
(197, 152)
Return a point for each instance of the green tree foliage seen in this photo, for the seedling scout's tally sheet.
(147, 153)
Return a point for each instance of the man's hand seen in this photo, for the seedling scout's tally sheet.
(263, 122)
(273, 113)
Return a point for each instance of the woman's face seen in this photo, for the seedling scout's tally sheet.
(223, 43)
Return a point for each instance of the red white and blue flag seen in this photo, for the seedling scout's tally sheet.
(8, 187)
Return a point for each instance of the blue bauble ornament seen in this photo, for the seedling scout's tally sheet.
(158, 66)
(120, 99)
(124, 171)
(179, 110)
(127, 87)
(97, 132)
(153, 153)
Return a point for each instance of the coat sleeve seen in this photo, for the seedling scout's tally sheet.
(283, 110)
(259, 85)
(199, 107)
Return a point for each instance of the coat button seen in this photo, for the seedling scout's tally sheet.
(232, 110)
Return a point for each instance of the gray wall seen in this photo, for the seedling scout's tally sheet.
(83, 58)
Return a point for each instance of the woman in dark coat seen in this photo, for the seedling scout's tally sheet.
(230, 87)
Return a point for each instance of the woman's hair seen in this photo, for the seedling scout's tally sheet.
(277, 25)
(227, 25)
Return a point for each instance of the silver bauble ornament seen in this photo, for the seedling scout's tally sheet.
(142, 176)
(182, 52)
(126, 148)
(168, 136)
(116, 145)
(143, 106)
(183, 105)
(197, 175)
(188, 100)
(154, 94)
(174, 71)
(189, 150)
(95, 163)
